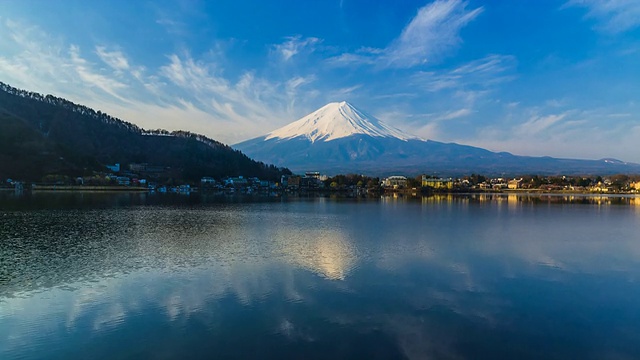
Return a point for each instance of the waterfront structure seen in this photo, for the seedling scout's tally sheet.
(315, 175)
(514, 184)
(395, 182)
(437, 183)
(123, 180)
(239, 181)
(312, 180)
(284, 180)
(294, 182)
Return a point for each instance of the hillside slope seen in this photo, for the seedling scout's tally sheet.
(41, 135)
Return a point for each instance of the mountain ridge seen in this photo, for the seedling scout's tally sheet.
(44, 135)
(306, 144)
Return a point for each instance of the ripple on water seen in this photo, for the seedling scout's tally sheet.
(297, 274)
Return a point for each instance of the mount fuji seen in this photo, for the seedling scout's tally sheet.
(334, 121)
(340, 138)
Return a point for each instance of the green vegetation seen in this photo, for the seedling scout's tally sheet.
(351, 180)
(46, 135)
(620, 183)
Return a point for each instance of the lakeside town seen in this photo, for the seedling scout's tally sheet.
(152, 178)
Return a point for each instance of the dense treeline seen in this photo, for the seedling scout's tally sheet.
(43, 135)
(348, 180)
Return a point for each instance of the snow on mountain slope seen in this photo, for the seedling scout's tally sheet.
(338, 138)
(337, 120)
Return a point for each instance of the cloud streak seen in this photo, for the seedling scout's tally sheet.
(431, 35)
(571, 132)
(184, 93)
(613, 16)
(232, 84)
(486, 72)
(295, 45)
(115, 59)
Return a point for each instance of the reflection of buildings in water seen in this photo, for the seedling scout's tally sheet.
(634, 202)
(448, 198)
(486, 197)
(600, 200)
(513, 201)
(395, 197)
(439, 198)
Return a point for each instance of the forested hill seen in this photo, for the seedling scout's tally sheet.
(45, 135)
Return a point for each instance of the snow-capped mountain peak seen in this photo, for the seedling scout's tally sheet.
(337, 120)
(340, 139)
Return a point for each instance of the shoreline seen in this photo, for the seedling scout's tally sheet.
(81, 188)
(410, 192)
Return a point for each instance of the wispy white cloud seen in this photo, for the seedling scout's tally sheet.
(537, 124)
(203, 90)
(455, 114)
(195, 93)
(431, 126)
(619, 115)
(342, 94)
(398, 95)
(425, 99)
(184, 93)
(91, 78)
(432, 34)
(294, 83)
(292, 88)
(115, 59)
(485, 72)
(251, 100)
(348, 59)
(172, 27)
(571, 133)
(29, 57)
(613, 16)
(34, 60)
(196, 76)
(489, 65)
(294, 45)
(429, 131)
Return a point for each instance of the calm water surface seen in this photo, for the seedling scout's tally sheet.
(445, 277)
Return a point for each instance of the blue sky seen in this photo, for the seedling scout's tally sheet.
(558, 78)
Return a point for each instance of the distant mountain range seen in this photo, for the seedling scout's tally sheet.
(339, 138)
(44, 135)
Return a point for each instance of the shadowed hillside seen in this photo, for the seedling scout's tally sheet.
(43, 135)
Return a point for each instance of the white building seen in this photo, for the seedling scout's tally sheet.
(395, 182)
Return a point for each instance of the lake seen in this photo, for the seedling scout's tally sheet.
(478, 276)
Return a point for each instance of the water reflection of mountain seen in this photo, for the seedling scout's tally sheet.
(325, 252)
(95, 235)
(42, 249)
(422, 275)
